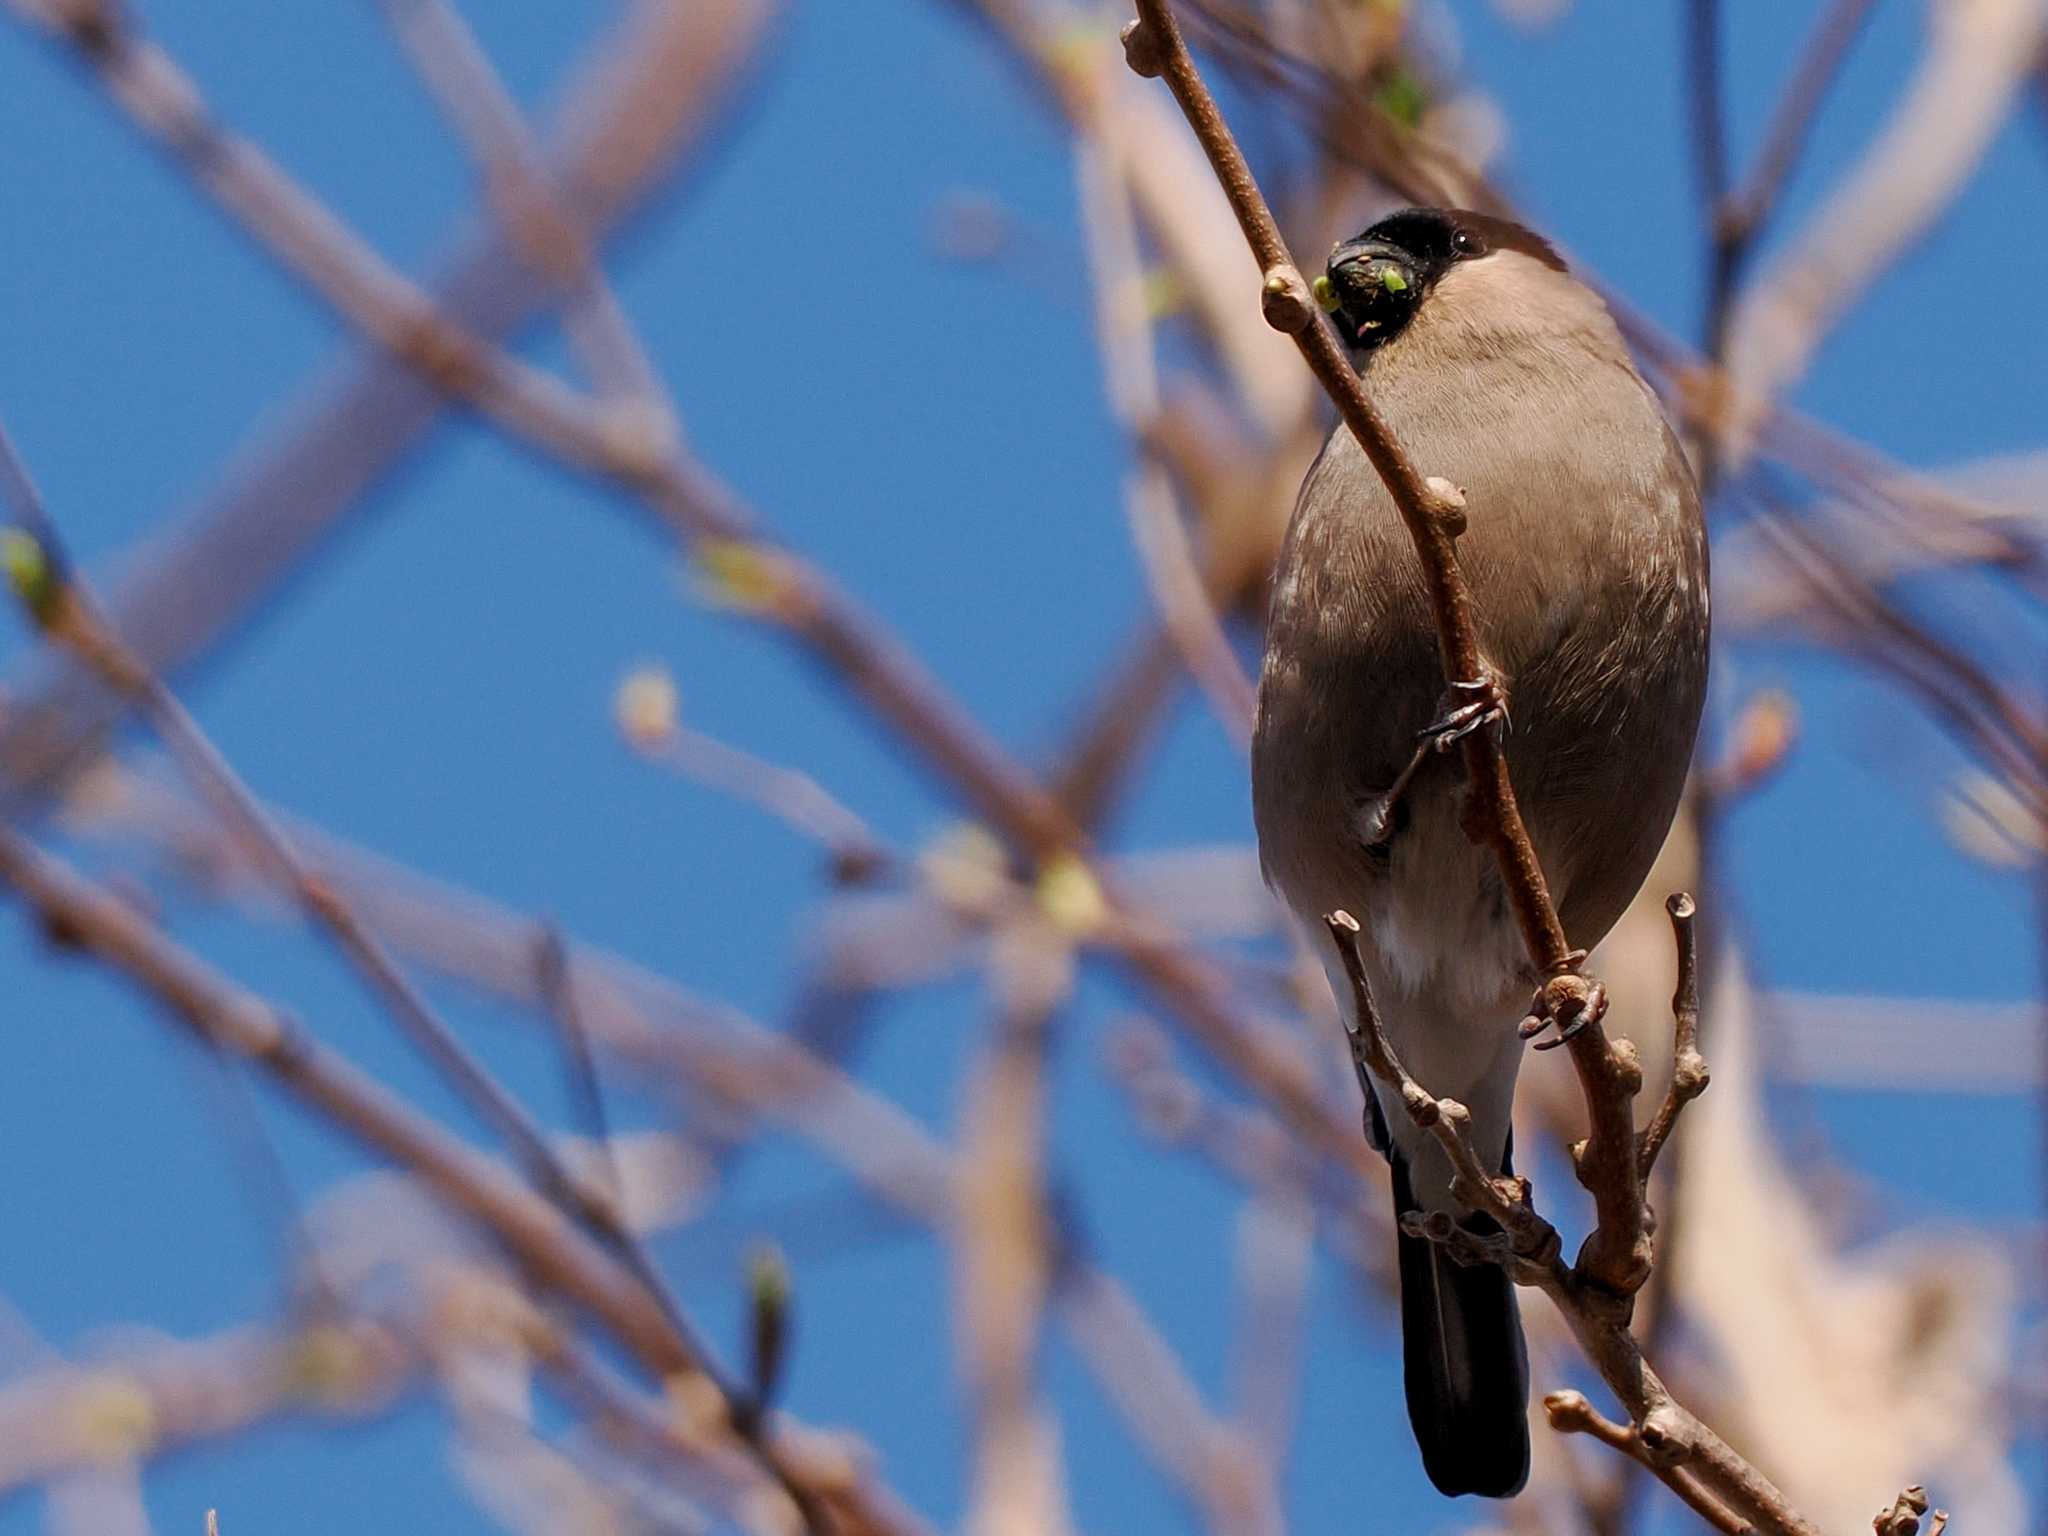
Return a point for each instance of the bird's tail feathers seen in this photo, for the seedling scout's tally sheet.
(1465, 1364)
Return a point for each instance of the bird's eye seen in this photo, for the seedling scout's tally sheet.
(1465, 243)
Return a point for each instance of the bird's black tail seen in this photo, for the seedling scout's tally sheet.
(1465, 1364)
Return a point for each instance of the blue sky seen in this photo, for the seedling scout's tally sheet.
(439, 687)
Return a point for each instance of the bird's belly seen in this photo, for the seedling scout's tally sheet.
(1440, 919)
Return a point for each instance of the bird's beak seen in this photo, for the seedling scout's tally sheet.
(1372, 286)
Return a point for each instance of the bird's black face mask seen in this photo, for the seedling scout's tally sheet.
(1374, 285)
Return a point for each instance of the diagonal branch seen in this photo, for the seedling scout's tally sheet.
(69, 615)
(458, 74)
(1532, 1245)
(1617, 1252)
(648, 90)
(769, 584)
(1594, 1295)
(1674, 1444)
(548, 1249)
(1570, 1414)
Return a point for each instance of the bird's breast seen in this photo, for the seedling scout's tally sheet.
(1587, 565)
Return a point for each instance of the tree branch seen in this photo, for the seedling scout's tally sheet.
(1675, 1444)
(1570, 1414)
(550, 1250)
(1689, 1075)
(1617, 1252)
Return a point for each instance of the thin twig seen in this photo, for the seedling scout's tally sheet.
(1677, 1445)
(70, 615)
(1570, 1414)
(1531, 1249)
(1003, 1264)
(1745, 211)
(1617, 1252)
(791, 796)
(458, 74)
(547, 1247)
(557, 988)
(1689, 1076)
(1123, 330)
(1903, 1516)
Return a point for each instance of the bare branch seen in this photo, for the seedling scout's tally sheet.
(647, 90)
(459, 76)
(1003, 1269)
(1689, 1075)
(1903, 1517)
(547, 1248)
(1123, 330)
(1745, 211)
(557, 985)
(649, 718)
(68, 614)
(1533, 1245)
(1570, 1414)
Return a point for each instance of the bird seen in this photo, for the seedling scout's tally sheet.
(1586, 555)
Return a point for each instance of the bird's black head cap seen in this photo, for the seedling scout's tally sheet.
(1374, 285)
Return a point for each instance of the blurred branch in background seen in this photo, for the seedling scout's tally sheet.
(646, 95)
(1842, 1369)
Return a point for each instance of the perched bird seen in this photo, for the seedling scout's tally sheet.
(1587, 561)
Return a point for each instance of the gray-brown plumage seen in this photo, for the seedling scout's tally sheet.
(1588, 566)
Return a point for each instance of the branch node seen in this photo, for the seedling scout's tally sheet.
(1286, 301)
(1424, 1110)
(1665, 1436)
(1141, 50)
(1616, 1308)
(1446, 505)
(1571, 1414)
(1903, 1518)
(1628, 1065)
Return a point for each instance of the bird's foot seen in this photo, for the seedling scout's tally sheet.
(1375, 819)
(1567, 1001)
(1467, 706)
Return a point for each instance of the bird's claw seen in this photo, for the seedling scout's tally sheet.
(1563, 1036)
(1542, 1014)
(1486, 706)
